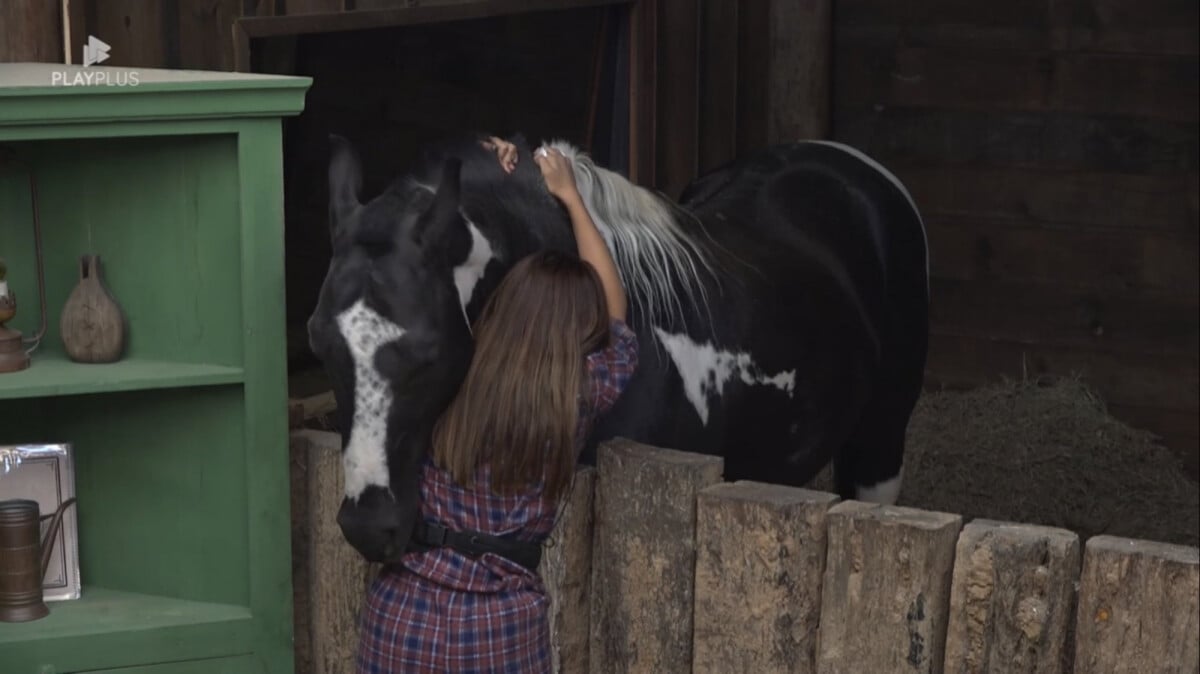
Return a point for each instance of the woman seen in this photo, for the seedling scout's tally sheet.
(552, 351)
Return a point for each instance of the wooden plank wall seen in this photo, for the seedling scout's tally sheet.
(1052, 147)
(707, 85)
(720, 77)
(30, 31)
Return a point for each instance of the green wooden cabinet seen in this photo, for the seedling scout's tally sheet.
(180, 448)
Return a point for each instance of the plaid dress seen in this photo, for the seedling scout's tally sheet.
(443, 611)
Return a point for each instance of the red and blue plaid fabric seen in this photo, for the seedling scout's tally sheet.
(443, 611)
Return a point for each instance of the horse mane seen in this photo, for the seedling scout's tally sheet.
(660, 262)
(643, 230)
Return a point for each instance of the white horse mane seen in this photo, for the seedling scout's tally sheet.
(645, 238)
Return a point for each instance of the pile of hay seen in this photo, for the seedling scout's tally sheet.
(1045, 452)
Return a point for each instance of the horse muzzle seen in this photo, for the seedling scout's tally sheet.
(376, 526)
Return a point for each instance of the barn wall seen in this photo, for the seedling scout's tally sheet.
(717, 77)
(706, 84)
(1052, 147)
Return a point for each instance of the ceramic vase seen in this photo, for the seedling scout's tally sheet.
(92, 325)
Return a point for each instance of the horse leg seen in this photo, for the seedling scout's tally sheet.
(870, 466)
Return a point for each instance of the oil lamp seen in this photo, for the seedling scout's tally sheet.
(14, 347)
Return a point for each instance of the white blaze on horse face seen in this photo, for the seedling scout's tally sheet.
(365, 458)
(467, 274)
(705, 369)
(885, 493)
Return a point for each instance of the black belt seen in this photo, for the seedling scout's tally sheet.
(475, 544)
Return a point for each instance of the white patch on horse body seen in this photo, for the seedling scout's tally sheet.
(885, 493)
(365, 458)
(467, 274)
(855, 152)
(705, 369)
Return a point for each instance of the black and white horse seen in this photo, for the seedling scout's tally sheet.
(781, 306)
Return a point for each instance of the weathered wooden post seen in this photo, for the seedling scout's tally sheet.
(566, 570)
(759, 561)
(643, 571)
(337, 576)
(1012, 599)
(1139, 608)
(886, 589)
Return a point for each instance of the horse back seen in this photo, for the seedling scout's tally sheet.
(825, 216)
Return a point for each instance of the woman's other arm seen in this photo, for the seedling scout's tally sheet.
(505, 151)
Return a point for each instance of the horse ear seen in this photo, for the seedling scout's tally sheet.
(345, 181)
(445, 204)
(443, 212)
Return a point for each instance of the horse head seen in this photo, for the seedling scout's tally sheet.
(409, 271)
(390, 331)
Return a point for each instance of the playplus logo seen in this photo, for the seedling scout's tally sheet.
(95, 51)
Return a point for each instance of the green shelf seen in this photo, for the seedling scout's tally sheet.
(53, 375)
(180, 448)
(109, 628)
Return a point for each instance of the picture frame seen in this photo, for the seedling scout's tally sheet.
(45, 473)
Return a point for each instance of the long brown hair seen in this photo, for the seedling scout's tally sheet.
(519, 404)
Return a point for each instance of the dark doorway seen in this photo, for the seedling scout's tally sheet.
(548, 75)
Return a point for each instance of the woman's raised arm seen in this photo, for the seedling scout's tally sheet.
(560, 180)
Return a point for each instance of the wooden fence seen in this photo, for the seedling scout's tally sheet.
(658, 565)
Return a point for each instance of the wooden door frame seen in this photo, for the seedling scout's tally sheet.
(643, 48)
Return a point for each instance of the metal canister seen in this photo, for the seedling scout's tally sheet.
(20, 562)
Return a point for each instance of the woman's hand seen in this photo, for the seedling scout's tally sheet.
(556, 169)
(505, 151)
